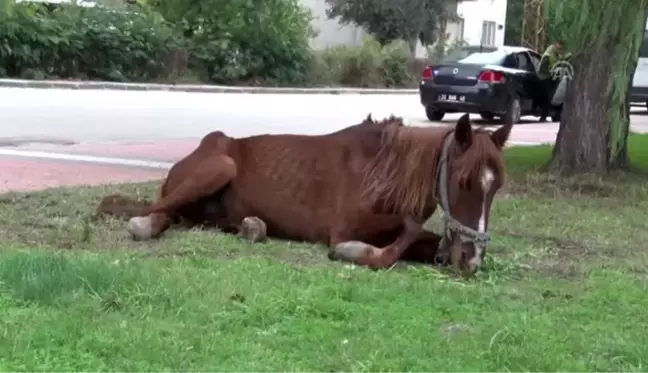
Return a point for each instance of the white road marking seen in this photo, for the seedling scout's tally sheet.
(86, 158)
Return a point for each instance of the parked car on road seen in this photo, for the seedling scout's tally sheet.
(490, 81)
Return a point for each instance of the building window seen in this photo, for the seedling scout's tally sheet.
(460, 29)
(488, 33)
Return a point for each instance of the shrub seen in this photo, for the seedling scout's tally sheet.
(369, 65)
(31, 42)
(78, 42)
(395, 67)
(355, 66)
(255, 40)
(121, 45)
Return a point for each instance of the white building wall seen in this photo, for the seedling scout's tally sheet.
(329, 31)
(474, 13)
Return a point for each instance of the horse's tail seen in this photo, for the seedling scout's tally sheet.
(122, 206)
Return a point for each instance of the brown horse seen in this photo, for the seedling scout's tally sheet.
(365, 191)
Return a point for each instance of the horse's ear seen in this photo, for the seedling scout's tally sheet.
(501, 135)
(369, 119)
(463, 131)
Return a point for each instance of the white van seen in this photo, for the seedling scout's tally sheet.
(639, 91)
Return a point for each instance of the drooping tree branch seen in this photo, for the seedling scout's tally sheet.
(604, 38)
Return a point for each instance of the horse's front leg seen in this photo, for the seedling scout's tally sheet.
(362, 253)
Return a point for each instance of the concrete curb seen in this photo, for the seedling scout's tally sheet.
(64, 84)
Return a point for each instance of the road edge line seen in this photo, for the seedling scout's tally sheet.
(203, 88)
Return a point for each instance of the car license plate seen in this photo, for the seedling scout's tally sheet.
(452, 98)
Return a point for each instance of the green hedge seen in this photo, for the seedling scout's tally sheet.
(228, 42)
(253, 39)
(83, 43)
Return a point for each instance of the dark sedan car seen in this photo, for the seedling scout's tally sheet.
(490, 81)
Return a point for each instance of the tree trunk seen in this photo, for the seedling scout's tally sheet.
(441, 46)
(412, 43)
(592, 136)
(581, 145)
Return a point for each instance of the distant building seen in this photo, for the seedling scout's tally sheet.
(481, 21)
(330, 31)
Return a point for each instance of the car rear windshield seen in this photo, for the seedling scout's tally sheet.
(475, 56)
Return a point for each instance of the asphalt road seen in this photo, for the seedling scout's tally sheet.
(104, 115)
(142, 116)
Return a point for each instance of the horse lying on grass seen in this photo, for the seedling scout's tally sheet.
(365, 191)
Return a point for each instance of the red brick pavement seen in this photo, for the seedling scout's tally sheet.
(31, 174)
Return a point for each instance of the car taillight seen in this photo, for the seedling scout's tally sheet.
(427, 73)
(490, 76)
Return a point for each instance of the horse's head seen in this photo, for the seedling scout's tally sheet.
(469, 173)
(462, 170)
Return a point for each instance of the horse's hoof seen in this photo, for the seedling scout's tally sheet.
(253, 229)
(140, 227)
(349, 251)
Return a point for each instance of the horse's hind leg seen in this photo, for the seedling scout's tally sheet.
(253, 229)
(207, 177)
(142, 227)
(145, 227)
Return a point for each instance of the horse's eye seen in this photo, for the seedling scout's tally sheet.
(467, 184)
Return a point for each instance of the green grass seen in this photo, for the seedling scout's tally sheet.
(564, 289)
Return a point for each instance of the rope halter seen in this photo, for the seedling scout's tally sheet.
(450, 224)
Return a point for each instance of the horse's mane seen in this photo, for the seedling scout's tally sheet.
(369, 125)
(402, 175)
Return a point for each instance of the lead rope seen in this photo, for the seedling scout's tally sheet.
(442, 183)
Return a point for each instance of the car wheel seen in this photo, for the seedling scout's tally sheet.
(433, 114)
(556, 115)
(513, 111)
(487, 116)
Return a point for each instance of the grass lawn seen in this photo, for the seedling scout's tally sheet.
(564, 289)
